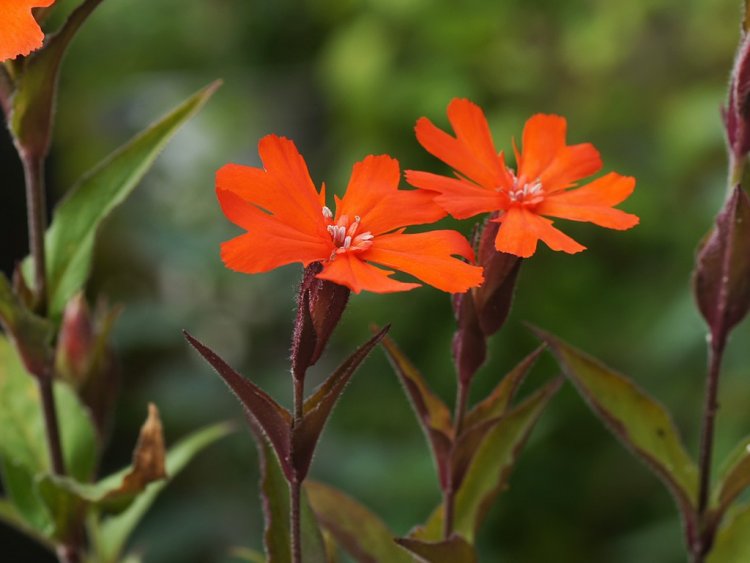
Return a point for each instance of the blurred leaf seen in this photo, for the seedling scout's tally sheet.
(491, 467)
(10, 516)
(641, 423)
(466, 447)
(19, 483)
(317, 408)
(31, 334)
(22, 434)
(733, 479)
(111, 534)
(275, 493)
(454, 550)
(732, 543)
(275, 420)
(496, 403)
(432, 413)
(34, 101)
(65, 507)
(361, 533)
(70, 237)
(722, 271)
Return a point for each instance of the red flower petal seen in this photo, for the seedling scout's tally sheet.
(428, 257)
(543, 139)
(461, 198)
(270, 243)
(520, 229)
(373, 194)
(19, 32)
(570, 165)
(350, 271)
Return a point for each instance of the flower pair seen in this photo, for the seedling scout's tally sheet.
(288, 220)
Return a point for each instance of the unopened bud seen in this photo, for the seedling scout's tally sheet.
(320, 304)
(75, 346)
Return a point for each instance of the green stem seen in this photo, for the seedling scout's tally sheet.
(295, 485)
(36, 210)
(449, 494)
(711, 406)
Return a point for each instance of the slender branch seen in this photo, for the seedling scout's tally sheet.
(449, 494)
(295, 485)
(711, 406)
(49, 410)
(36, 209)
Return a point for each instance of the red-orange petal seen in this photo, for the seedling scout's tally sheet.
(570, 165)
(459, 197)
(543, 139)
(270, 243)
(287, 170)
(19, 32)
(471, 128)
(593, 203)
(520, 229)
(429, 257)
(373, 194)
(454, 153)
(349, 270)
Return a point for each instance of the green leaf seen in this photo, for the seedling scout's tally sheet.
(111, 534)
(432, 414)
(70, 238)
(11, 516)
(733, 478)
(490, 470)
(31, 334)
(639, 421)
(317, 408)
(247, 554)
(732, 543)
(34, 100)
(19, 483)
(22, 434)
(453, 550)
(360, 532)
(275, 494)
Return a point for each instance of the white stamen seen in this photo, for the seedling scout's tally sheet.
(327, 213)
(347, 243)
(366, 236)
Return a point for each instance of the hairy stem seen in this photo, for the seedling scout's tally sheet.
(36, 209)
(449, 494)
(295, 484)
(711, 406)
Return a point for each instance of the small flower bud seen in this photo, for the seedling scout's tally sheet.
(320, 304)
(75, 346)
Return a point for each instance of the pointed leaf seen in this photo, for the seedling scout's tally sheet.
(491, 467)
(318, 406)
(466, 447)
(733, 479)
(34, 101)
(10, 516)
(433, 415)
(70, 238)
(22, 434)
(275, 495)
(639, 421)
(454, 550)
(31, 334)
(496, 403)
(113, 532)
(732, 544)
(722, 271)
(273, 418)
(19, 483)
(360, 532)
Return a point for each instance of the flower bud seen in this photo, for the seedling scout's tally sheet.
(320, 304)
(75, 346)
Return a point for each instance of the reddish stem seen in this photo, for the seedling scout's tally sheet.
(449, 494)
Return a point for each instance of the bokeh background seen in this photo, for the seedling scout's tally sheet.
(642, 79)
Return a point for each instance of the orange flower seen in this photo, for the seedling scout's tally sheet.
(547, 169)
(19, 32)
(287, 221)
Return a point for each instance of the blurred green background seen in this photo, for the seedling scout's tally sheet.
(642, 79)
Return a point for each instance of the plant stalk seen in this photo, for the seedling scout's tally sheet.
(449, 495)
(295, 485)
(711, 406)
(36, 209)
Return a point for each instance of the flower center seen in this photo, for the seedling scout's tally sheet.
(525, 193)
(344, 234)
